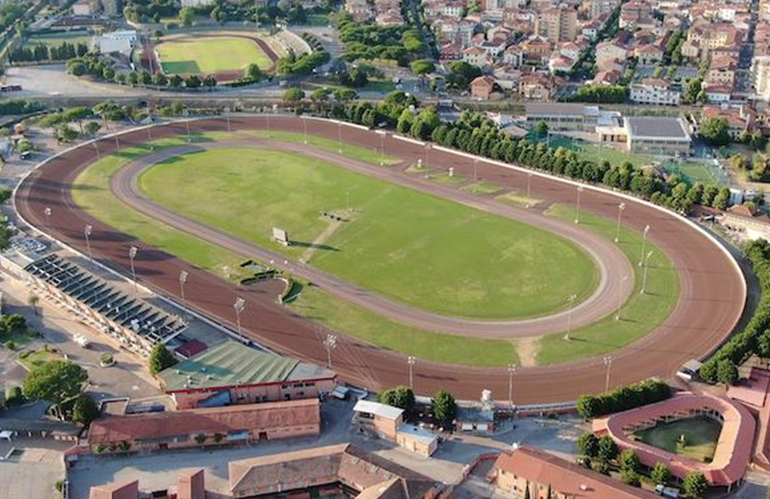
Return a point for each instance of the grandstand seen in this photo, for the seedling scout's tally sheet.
(134, 323)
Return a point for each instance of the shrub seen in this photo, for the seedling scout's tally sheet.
(14, 396)
(601, 467)
(10, 345)
(85, 410)
(608, 449)
(695, 485)
(623, 398)
(660, 474)
(629, 460)
(401, 397)
(588, 444)
(630, 477)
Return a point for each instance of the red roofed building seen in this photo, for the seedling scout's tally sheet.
(220, 425)
(128, 490)
(542, 471)
(483, 87)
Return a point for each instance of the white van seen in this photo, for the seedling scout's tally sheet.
(82, 341)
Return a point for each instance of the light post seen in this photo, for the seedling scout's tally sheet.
(571, 301)
(47, 212)
(644, 275)
(339, 137)
(621, 207)
(382, 134)
(239, 306)
(98, 154)
(529, 189)
(427, 154)
(577, 210)
(620, 296)
(117, 144)
(227, 117)
(87, 231)
(644, 242)
(131, 255)
(330, 342)
(187, 125)
(182, 280)
(511, 372)
(608, 363)
(304, 126)
(410, 361)
(475, 174)
(269, 134)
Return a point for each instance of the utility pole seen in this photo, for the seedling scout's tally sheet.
(330, 342)
(239, 306)
(182, 280)
(621, 207)
(410, 361)
(644, 242)
(577, 210)
(131, 255)
(511, 372)
(87, 231)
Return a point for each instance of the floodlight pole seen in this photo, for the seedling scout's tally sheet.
(131, 255)
(87, 231)
(571, 301)
(304, 125)
(47, 212)
(644, 242)
(98, 154)
(620, 297)
(382, 147)
(644, 275)
(330, 343)
(117, 144)
(475, 174)
(608, 363)
(187, 125)
(577, 210)
(269, 133)
(227, 117)
(182, 280)
(427, 154)
(239, 306)
(339, 137)
(410, 361)
(511, 372)
(529, 189)
(621, 207)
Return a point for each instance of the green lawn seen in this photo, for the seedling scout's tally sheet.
(516, 198)
(444, 178)
(482, 188)
(701, 435)
(210, 55)
(56, 39)
(640, 314)
(358, 153)
(428, 252)
(34, 358)
(343, 316)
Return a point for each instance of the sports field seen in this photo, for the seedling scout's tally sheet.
(700, 436)
(56, 39)
(431, 253)
(210, 55)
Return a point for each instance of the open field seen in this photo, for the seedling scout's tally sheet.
(701, 435)
(210, 55)
(433, 254)
(639, 315)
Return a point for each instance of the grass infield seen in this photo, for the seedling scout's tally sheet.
(701, 435)
(210, 55)
(425, 251)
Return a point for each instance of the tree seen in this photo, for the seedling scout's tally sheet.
(400, 396)
(175, 81)
(33, 300)
(660, 474)
(695, 485)
(55, 381)
(629, 460)
(187, 16)
(78, 69)
(66, 134)
(210, 81)
(293, 95)
(108, 74)
(421, 68)
(727, 372)
(161, 359)
(444, 408)
(200, 438)
(691, 91)
(85, 410)
(608, 449)
(722, 200)
(160, 79)
(588, 444)
(715, 132)
(630, 477)
(253, 72)
(541, 129)
(192, 82)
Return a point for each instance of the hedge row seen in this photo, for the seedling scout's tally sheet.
(755, 338)
(623, 398)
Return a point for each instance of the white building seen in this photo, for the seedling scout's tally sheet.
(654, 91)
(117, 41)
(760, 72)
(196, 3)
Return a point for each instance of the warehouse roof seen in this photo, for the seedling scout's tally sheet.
(232, 363)
(656, 127)
(382, 410)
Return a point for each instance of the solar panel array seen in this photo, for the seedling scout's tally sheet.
(150, 322)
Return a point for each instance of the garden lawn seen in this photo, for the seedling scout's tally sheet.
(701, 435)
(425, 251)
(353, 320)
(210, 55)
(639, 315)
(35, 358)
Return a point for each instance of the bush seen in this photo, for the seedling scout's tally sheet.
(10, 345)
(401, 397)
(630, 477)
(85, 410)
(695, 485)
(601, 467)
(660, 474)
(608, 449)
(14, 396)
(588, 444)
(623, 398)
(629, 460)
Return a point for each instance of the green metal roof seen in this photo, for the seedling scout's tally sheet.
(227, 364)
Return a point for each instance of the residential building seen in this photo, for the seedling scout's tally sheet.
(86, 7)
(342, 470)
(760, 72)
(196, 3)
(740, 120)
(597, 8)
(483, 87)
(361, 10)
(609, 51)
(233, 373)
(214, 426)
(378, 419)
(537, 87)
(648, 55)
(477, 56)
(530, 472)
(513, 56)
(655, 91)
(125, 490)
(722, 70)
(558, 24)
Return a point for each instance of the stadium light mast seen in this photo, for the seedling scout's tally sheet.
(239, 306)
(620, 296)
(304, 126)
(644, 242)
(382, 134)
(511, 372)
(330, 343)
(577, 210)
(131, 256)
(182, 280)
(339, 137)
(621, 207)
(47, 212)
(410, 362)
(98, 154)
(427, 154)
(269, 133)
(475, 174)
(608, 363)
(117, 143)
(644, 275)
(529, 189)
(87, 231)
(571, 302)
(227, 117)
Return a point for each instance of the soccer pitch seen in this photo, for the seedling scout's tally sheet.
(210, 55)
(428, 252)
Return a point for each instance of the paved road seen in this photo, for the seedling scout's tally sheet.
(711, 302)
(611, 262)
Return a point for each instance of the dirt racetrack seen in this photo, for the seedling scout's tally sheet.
(712, 290)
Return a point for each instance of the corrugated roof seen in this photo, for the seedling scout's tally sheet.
(382, 410)
(658, 127)
(227, 364)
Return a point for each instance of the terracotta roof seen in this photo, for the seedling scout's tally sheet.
(565, 477)
(125, 490)
(263, 416)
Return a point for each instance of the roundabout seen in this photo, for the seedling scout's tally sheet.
(171, 186)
